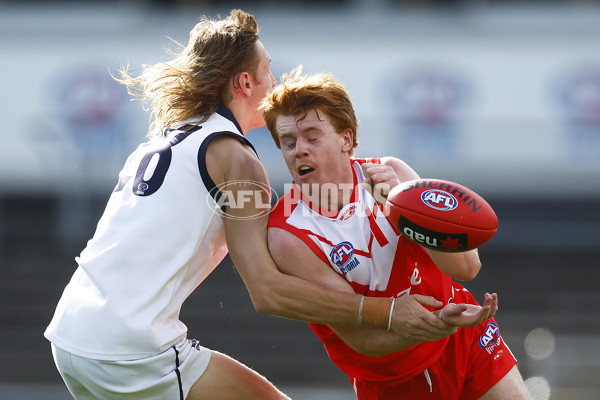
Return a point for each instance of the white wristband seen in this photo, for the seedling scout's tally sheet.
(360, 307)
(391, 313)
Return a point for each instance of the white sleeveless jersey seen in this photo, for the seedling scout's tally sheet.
(160, 236)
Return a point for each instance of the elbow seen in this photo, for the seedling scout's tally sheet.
(473, 270)
(262, 304)
(264, 299)
(465, 277)
(470, 272)
(471, 265)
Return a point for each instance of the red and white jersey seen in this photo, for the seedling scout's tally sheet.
(160, 236)
(361, 244)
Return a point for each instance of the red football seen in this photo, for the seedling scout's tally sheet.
(441, 215)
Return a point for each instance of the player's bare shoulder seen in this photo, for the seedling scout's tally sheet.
(228, 158)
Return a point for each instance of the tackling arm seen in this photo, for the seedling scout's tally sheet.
(294, 257)
(271, 291)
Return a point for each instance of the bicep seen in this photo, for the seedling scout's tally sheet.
(293, 257)
(230, 161)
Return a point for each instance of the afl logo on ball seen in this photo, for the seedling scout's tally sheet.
(341, 253)
(439, 199)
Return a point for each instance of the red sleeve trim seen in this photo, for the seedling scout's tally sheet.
(373, 160)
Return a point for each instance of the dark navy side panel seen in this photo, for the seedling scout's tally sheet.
(208, 182)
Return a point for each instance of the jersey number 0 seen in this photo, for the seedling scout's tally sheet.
(153, 165)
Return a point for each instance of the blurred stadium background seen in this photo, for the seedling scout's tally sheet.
(502, 96)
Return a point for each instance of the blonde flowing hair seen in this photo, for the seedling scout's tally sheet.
(196, 82)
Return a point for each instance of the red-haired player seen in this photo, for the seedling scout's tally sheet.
(330, 230)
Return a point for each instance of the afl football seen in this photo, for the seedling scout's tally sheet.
(441, 215)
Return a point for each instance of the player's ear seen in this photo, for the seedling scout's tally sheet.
(347, 140)
(242, 83)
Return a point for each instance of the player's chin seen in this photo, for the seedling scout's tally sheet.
(258, 121)
(306, 177)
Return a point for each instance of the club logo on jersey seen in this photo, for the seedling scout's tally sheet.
(241, 199)
(348, 213)
(342, 255)
(141, 188)
(439, 200)
(490, 337)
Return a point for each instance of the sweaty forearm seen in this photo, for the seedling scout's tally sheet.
(290, 297)
(373, 342)
(273, 292)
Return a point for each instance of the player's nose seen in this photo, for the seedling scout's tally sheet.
(301, 148)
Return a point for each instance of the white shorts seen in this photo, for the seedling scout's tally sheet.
(168, 375)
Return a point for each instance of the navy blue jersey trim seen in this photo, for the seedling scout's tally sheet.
(226, 112)
(208, 182)
(185, 130)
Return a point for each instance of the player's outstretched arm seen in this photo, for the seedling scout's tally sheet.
(412, 323)
(418, 325)
(271, 291)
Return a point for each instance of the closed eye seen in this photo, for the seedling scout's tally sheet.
(288, 144)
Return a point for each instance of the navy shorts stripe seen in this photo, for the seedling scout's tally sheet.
(178, 373)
